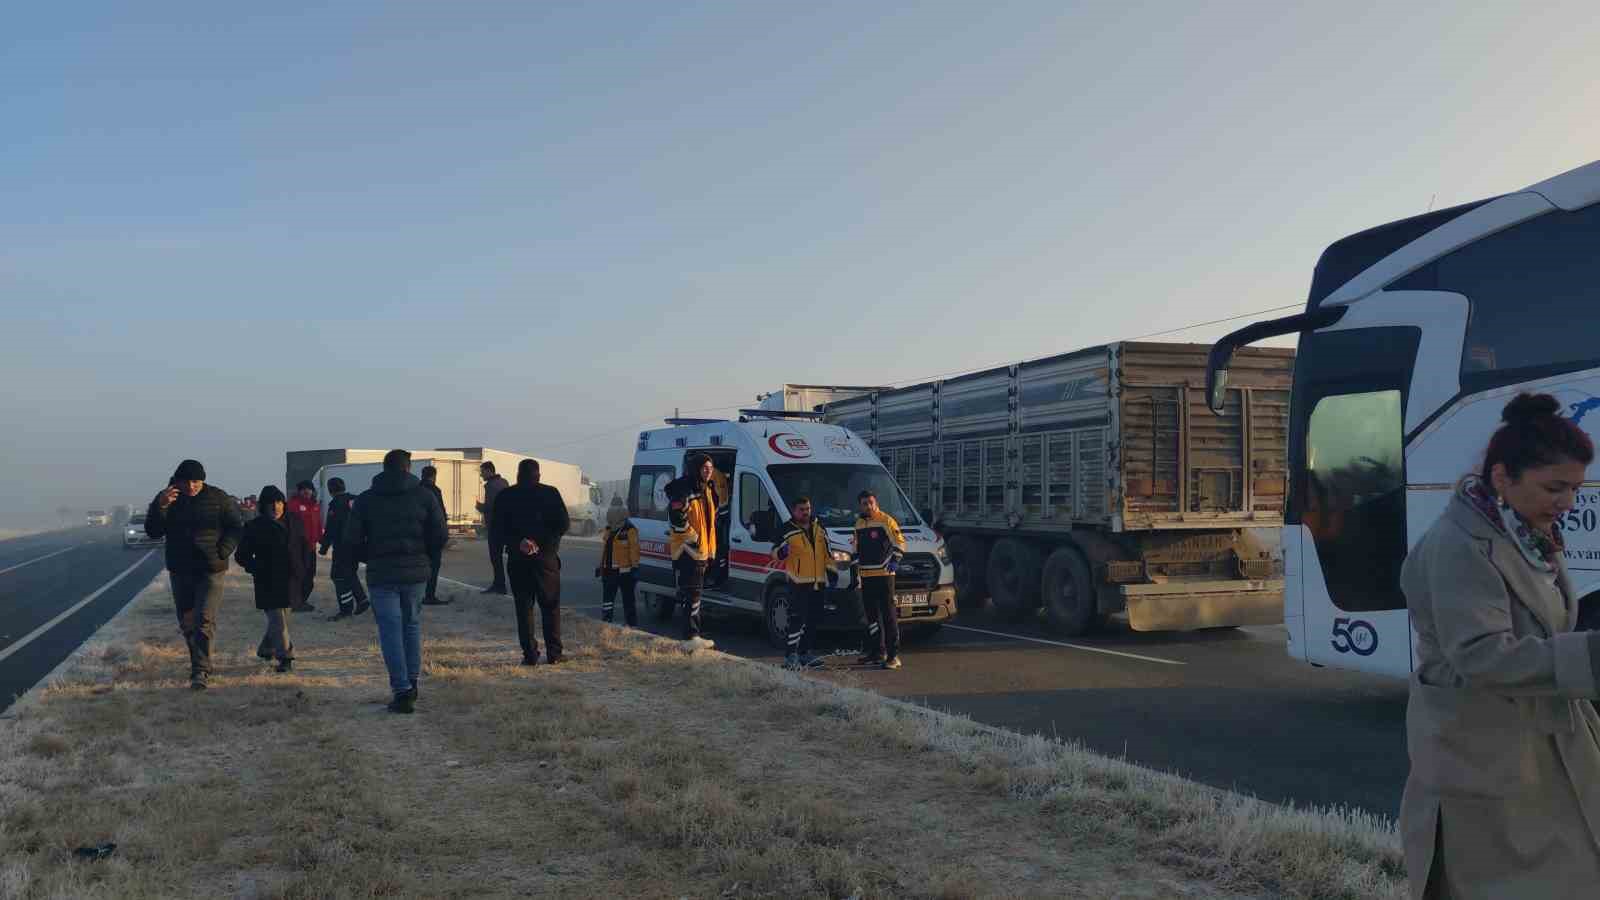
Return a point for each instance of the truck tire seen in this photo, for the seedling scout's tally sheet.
(970, 557)
(1013, 579)
(1069, 596)
(776, 613)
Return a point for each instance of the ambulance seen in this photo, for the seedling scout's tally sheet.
(770, 458)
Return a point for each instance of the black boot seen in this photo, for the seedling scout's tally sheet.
(406, 703)
(285, 664)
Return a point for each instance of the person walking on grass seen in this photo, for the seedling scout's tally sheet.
(305, 505)
(270, 551)
(619, 564)
(692, 543)
(430, 483)
(493, 485)
(529, 521)
(202, 525)
(879, 545)
(347, 586)
(803, 552)
(1503, 796)
(397, 526)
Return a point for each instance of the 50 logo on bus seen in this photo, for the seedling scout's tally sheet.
(1585, 517)
(1354, 636)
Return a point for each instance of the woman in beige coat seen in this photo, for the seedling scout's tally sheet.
(1503, 800)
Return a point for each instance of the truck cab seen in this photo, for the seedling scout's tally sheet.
(769, 458)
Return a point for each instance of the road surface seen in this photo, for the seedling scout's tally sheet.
(56, 589)
(1225, 708)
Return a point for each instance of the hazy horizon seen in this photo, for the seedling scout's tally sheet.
(234, 231)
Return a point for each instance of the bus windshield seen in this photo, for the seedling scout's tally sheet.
(833, 489)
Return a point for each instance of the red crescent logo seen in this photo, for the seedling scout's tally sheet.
(789, 444)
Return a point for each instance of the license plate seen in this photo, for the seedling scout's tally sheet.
(912, 599)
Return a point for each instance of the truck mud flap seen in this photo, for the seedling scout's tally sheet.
(1178, 607)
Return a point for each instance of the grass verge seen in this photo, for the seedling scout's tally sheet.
(632, 770)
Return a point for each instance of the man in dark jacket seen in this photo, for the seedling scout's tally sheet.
(397, 526)
(430, 483)
(202, 526)
(346, 561)
(493, 485)
(529, 520)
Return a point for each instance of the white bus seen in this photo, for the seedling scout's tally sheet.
(1415, 335)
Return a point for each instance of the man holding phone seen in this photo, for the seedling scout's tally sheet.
(202, 526)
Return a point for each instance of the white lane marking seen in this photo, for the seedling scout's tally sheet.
(479, 587)
(1023, 637)
(40, 559)
(28, 638)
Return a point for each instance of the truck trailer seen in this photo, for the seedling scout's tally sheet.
(1096, 485)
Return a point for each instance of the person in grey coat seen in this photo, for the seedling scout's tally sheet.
(1503, 798)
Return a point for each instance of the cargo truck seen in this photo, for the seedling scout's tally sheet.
(1096, 484)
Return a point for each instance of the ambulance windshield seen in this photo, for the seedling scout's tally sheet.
(833, 489)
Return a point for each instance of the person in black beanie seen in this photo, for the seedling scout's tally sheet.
(347, 587)
(202, 526)
(272, 552)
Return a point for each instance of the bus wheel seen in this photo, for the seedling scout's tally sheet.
(777, 613)
(1013, 578)
(970, 557)
(1069, 601)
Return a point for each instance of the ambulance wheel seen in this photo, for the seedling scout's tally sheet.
(970, 557)
(776, 614)
(663, 605)
(1069, 597)
(1014, 579)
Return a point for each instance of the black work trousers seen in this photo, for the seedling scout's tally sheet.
(197, 598)
(308, 554)
(691, 582)
(536, 584)
(626, 582)
(347, 587)
(883, 617)
(497, 559)
(805, 616)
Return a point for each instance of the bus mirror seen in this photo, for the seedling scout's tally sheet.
(1216, 389)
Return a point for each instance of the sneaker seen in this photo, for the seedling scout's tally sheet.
(285, 664)
(792, 662)
(197, 683)
(405, 704)
(530, 660)
(699, 643)
(264, 654)
(555, 660)
(892, 662)
(362, 607)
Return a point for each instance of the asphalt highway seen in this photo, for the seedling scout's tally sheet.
(56, 589)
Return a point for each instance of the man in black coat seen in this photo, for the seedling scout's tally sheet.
(346, 561)
(397, 527)
(202, 526)
(493, 485)
(529, 520)
(430, 483)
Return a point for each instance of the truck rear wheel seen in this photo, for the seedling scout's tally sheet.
(1014, 578)
(970, 557)
(1069, 601)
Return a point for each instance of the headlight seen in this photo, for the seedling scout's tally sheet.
(841, 556)
(132, 533)
(942, 554)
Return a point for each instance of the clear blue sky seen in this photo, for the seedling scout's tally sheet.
(230, 230)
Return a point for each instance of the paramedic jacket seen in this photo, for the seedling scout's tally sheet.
(693, 513)
(878, 541)
(621, 553)
(809, 562)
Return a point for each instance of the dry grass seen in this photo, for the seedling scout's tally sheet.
(634, 770)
